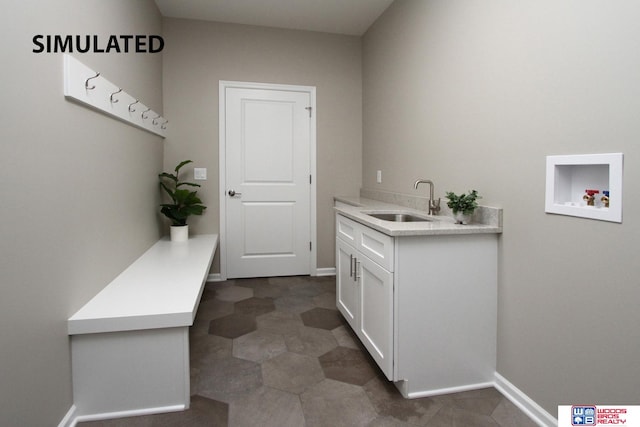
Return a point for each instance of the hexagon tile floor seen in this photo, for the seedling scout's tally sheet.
(276, 352)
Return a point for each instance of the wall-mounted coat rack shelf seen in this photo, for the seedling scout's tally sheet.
(88, 87)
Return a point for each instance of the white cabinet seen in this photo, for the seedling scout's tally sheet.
(375, 245)
(364, 288)
(424, 306)
(375, 319)
(346, 285)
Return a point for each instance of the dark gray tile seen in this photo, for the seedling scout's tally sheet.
(253, 283)
(208, 292)
(228, 379)
(482, 401)
(325, 300)
(293, 303)
(310, 341)
(292, 372)
(449, 416)
(346, 337)
(388, 402)
(388, 422)
(507, 414)
(204, 348)
(213, 309)
(305, 289)
(258, 346)
(347, 365)
(264, 288)
(232, 326)
(279, 322)
(254, 306)
(266, 407)
(290, 281)
(232, 293)
(207, 311)
(203, 412)
(322, 318)
(333, 403)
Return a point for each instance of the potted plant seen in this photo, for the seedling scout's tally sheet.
(184, 202)
(463, 205)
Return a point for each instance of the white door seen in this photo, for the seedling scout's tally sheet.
(267, 182)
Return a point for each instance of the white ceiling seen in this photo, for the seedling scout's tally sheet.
(351, 17)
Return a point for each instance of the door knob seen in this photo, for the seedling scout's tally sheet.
(233, 193)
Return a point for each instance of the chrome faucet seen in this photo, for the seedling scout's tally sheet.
(434, 205)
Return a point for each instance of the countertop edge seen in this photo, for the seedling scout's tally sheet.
(444, 225)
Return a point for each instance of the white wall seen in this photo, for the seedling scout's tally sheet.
(199, 54)
(78, 192)
(474, 95)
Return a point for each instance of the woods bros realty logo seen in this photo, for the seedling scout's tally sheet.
(596, 415)
(124, 43)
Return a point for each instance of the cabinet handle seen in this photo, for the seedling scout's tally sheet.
(350, 265)
(355, 273)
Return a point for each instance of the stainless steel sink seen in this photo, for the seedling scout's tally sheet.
(399, 217)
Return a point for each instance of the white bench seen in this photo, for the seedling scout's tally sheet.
(130, 343)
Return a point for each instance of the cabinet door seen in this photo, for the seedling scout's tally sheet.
(375, 324)
(346, 285)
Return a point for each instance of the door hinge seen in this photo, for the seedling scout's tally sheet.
(309, 109)
(310, 246)
(309, 179)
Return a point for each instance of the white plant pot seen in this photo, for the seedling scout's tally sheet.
(179, 233)
(461, 218)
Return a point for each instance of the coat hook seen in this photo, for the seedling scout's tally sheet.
(155, 120)
(86, 82)
(164, 125)
(132, 110)
(113, 101)
(143, 113)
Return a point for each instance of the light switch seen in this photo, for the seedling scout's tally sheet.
(379, 177)
(200, 173)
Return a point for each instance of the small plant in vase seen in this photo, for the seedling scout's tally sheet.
(463, 205)
(184, 202)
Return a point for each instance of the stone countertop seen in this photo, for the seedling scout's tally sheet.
(441, 224)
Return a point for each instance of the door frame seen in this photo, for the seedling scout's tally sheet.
(222, 143)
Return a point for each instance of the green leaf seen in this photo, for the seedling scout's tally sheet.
(168, 191)
(168, 175)
(177, 169)
(188, 183)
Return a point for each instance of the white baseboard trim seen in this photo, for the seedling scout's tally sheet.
(129, 413)
(510, 391)
(69, 419)
(216, 277)
(448, 390)
(329, 271)
(524, 402)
